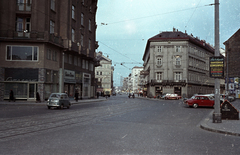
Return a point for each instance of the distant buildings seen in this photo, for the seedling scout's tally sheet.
(175, 62)
(136, 78)
(104, 72)
(47, 46)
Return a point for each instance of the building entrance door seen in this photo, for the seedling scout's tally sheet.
(178, 90)
(32, 87)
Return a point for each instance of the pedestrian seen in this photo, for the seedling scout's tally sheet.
(76, 95)
(11, 96)
(97, 94)
(38, 98)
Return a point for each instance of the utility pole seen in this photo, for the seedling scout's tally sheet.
(217, 116)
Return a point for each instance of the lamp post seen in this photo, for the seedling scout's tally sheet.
(217, 116)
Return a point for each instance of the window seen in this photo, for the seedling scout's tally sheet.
(82, 19)
(79, 62)
(52, 26)
(70, 59)
(91, 66)
(83, 63)
(83, 2)
(23, 24)
(81, 40)
(75, 61)
(53, 5)
(89, 25)
(49, 54)
(159, 48)
(24, 5)
(86, 64)
(100, 73)
(65, 58)
(28, 53)
(178, 48)
(159, 76)
(178, 76)
(73, 35)
(159, 61)
(97, 72)
(178, 60)
(89, 44)
(73, 12)
(54, 56)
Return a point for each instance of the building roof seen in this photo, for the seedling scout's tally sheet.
(178, 36)
(236, 33)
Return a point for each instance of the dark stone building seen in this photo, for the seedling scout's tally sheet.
(47, 46)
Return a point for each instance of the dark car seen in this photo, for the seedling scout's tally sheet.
(114, 94)
(200, 100)
(58, 100)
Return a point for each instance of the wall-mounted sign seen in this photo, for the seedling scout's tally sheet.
(216, 67)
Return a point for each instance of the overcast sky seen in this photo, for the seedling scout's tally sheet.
(124, 26)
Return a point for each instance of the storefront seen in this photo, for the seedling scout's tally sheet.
(69, 82)
(86, 85)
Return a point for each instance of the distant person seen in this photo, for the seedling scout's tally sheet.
(38, 98)
(97, 94)
(11, 96)
(76, 95)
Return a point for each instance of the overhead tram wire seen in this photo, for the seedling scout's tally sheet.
(102, 24)
(192, 14)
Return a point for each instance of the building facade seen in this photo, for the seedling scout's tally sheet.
(175, 62)
(45, 49)
(136, 78)
(232, 62)
(104, 72)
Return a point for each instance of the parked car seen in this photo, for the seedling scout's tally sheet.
(58, 100)
(200, 100)
(172, 97)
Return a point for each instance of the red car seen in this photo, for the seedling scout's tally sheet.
(172, 97)
(200, 100)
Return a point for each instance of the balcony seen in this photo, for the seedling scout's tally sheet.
(30, 36)
(25, 7)
(168, 82)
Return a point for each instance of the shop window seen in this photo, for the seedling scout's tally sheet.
(18, 53)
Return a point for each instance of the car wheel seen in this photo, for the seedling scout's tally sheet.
(68, 106)
(49, 107)
(61, 106)
(195, 105)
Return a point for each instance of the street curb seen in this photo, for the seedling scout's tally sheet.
(204, 126)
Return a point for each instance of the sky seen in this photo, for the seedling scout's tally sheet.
(124, 26)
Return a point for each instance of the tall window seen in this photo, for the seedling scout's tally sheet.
(178, 76)
(178, 60)
(75, 61)
(90, 25)
(52, 24)
(81, 39)
(86, 64)
(54, 55)
(159, 48)
(49, 54)
(159, 61)
(89, 44)
(178, 48)
(83, 64)
(159, 76)
(82, 19)
(73, 12)
(53, 5)
(70, 59)
(73, 35)
(23, 24)
(26, 53)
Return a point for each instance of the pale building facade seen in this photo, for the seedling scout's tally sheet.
(175, 62)
(135, 78)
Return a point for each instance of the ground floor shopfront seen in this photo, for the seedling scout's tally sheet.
(26, 82)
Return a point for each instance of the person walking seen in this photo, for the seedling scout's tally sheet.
(38, 98)
(76, 95)
(11, 96)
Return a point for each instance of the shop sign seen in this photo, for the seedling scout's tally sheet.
(216, 67)
(69, 74)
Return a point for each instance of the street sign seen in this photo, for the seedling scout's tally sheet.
(216, 67)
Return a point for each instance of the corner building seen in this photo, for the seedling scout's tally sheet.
(47, 46)
(175, 62)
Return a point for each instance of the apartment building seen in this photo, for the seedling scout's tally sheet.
(136, 78)
(175, 62)
(104, 72)
(47, 46)
(232, 63)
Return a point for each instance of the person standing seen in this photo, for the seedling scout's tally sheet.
(76, 95)
(38, 98)
(11, 96)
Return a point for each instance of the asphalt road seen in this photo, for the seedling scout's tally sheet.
(117, 126)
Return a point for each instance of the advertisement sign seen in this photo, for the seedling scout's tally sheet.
(216, 67)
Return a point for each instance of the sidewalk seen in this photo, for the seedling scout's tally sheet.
(24, 102)
(231, 127)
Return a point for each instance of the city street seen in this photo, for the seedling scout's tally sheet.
(118, 125)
